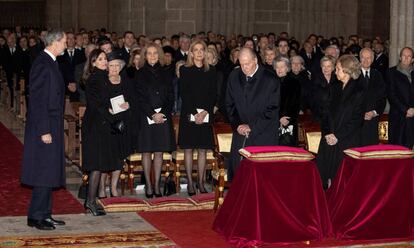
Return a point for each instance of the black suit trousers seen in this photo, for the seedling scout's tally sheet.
(40, 207)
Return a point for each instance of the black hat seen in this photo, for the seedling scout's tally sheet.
(168, 49)
(113, 56)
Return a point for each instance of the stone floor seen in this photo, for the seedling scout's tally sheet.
(76, 223)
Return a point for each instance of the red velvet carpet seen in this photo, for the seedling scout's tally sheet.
(188, 229)
(193, 229)
(14, 198)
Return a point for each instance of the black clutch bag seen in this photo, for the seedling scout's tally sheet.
(118, 127)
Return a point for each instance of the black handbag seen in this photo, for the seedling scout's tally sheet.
(118, 127)
(170, 187)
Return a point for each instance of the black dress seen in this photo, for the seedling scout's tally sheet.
(343, 117)
(198, 90)
(100, 147)
(155, 91)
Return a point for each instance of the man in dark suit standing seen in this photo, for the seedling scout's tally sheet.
(129, 40)
(401, 97)
(374, 99)
(182, 52)
(67, 65)
(43, 165)
(252, 104)
(11, 65)
(381, 61)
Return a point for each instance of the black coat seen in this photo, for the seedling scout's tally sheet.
(154, 90)
(374, 99)
(67, 66)
(290, 105)
(401, 98)
(44, 164)
(99, 144)
(198, 90)
(343, 117)
(255, 103)
(305, 89)
(320, 94)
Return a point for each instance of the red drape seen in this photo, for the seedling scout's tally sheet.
(274, 202)
(372, 199)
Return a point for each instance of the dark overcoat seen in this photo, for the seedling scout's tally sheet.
(401, 98)
(255, 103)
(44, 164)
(374, 99)
(342, 116)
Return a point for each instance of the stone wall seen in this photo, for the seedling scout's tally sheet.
(165, 17)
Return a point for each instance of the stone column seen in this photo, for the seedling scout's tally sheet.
(401, 27)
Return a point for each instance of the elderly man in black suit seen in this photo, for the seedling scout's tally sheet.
(401, 97)
(43, 165)
(252, 104)
(374, 98)
(11, 65)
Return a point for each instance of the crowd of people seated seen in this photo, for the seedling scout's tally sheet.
(342, 83)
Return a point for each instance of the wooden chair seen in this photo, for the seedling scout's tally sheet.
(22, 101)
(178, 158)
(223, 135)
(133, 167)
(383, 129)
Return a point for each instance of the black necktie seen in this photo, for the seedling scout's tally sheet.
(248, 78)
(366, 75)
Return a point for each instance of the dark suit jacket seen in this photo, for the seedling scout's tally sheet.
(374, 99)
(44, 164)
(179, 56)
(381, 64)
(10, 60)
(255, 103)
(401, 98)
(124, 55)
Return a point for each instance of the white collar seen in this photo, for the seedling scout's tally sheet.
(183, 53)
(364, 71)
(257, 68)
(50, 54)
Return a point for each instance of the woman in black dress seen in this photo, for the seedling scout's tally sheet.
(289, 103)
(119, 85)
(198, 90)
(342, 118)
(99, 144)
(155, 101)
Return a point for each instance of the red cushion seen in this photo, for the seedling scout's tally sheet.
(121, 200)
(379, 152)
(168, 200)
(203, 198)
(275, 153)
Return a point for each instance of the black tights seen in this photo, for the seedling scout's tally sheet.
(201, 167)
(94, 179)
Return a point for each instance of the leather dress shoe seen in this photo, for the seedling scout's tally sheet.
(40, 224)
(55, 222)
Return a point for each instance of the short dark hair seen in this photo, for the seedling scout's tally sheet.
(128, 32)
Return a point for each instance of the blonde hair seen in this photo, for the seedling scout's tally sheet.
(328, 58)
(143, 57)
(350, 65)
(213, 52)
(190, 59)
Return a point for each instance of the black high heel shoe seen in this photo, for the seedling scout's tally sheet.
(202, 190)
(190, 193)
(94, 209)
(149, 196)
(157, 195)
